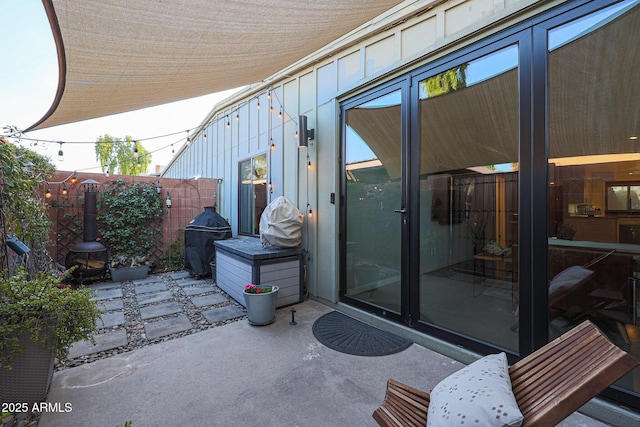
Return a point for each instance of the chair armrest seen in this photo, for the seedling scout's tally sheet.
(403, 406)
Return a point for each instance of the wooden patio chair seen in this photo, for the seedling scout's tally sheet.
(549, 384)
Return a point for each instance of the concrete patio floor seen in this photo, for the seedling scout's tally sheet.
(243, 375)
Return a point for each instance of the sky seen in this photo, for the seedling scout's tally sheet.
(28, 83)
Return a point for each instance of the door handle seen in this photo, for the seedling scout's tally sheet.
(400, 211)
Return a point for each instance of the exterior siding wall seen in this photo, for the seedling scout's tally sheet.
(412, 37)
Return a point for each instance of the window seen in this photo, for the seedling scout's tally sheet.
(252, 198)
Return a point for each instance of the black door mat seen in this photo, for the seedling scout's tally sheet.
(348, 335)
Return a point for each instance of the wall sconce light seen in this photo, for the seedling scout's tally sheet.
(168, 200)
(304, 134)
(158, 187)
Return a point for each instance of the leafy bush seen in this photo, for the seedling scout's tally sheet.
(53, 314)
(130, 218)
(22, 205)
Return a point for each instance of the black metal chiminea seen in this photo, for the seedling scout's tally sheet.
(90, 258)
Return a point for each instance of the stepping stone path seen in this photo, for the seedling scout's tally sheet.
(156, 309)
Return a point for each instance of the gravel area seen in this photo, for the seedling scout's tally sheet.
(174, 289)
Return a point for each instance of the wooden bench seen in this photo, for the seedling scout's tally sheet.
(549, 384)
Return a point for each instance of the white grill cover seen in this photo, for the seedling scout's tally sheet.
(281, 224)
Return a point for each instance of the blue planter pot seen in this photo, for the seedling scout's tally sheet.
(261, 308)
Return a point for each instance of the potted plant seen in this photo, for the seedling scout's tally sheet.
(130, 217)
(260, 302)
(39, 319)
(123, 268)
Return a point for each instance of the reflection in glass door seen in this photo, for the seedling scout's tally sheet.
(468, 182)
(593, 269)
(252, 194)
(373, 167)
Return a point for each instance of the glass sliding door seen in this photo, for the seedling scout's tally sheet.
(594, 177)
(468, 197)
(373, 199)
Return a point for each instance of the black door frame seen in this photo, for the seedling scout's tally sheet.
(531, 36)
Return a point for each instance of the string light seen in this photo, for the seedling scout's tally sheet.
(273, 146)
(48, 193)
(64, 189)
(74, 178)
(228, 122)
(60, 152)
(135, 150)
(272, 98)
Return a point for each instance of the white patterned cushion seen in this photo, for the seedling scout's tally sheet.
(477, 395)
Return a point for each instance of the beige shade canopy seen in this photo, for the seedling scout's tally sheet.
(122, 55)
(594, 108)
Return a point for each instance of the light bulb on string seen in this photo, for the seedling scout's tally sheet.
(237, 117)
(273, 146)
(135, 149)
(228, 123)
(172, 150)
(60, 152)
(280, 113)
(73, 178)
(48, 193)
